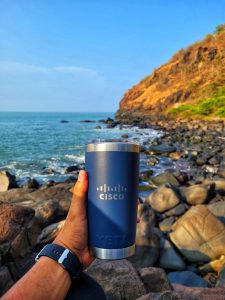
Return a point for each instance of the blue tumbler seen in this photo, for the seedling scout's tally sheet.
(113, 167)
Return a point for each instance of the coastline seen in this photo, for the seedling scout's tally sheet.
(192, 183)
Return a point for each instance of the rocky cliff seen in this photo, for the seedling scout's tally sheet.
(192, 83)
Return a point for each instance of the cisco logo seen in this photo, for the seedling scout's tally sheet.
(107, 192)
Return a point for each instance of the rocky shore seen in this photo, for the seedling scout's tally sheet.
(180, 241)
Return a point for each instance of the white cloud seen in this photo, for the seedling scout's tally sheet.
(75, 70)
(16, 67)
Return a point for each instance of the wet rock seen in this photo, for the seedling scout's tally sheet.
(118, 279)
(164, 198)
(31, 183)
(175, 155)
(106, 121)
(187, 278)
(152, 161)
(198, 194)
(221, 280)
(199, 235)
(161, 149)
(72, 169)
(64, 121)
(165, 177)
(154, 279)
(169, 257)
(166, 224)
(124, 136)
(98, 127)
(218, 209)
(7, 181)
(145, 175)
(5, 280)
(87, 121)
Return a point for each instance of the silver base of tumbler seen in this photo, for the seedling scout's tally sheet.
(113, 253)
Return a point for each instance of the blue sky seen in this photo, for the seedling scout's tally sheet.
(83, 55)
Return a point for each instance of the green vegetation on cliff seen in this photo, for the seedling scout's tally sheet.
(213, 106)
(192, 83)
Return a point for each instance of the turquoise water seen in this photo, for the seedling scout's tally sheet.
(32, 144)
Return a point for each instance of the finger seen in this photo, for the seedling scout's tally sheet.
(78, 205)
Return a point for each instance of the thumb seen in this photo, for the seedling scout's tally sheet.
(78, 204)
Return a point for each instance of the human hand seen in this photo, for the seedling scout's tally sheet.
(74, 234)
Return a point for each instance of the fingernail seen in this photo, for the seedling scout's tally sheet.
(81, 175)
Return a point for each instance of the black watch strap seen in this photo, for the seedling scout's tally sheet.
(64, 257)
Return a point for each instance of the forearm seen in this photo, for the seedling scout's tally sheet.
(46, 280)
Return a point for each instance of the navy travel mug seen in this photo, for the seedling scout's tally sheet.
(113, 167)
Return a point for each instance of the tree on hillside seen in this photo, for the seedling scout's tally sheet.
(219, 28)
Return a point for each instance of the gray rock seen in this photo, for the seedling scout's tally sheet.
(154, 279)
(199, 235)
(31, 183)
(199, 193)
(5, 280)
(72, 169)
(7, 181)
(169, 258)
(218, 209)
(124, 136)
(166, 224)
(163, 178)
(221, 280)
(50, 232)
(146, 214)
(164, 198)
(152, 161)
(178, 210)
(147, 246)
(187, 278)
(118, 279)
(145, 175)
(161, 149)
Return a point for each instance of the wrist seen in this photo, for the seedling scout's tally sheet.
(61, 242)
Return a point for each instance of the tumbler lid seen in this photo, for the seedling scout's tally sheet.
(112, 145)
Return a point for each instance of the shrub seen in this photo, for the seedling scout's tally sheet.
(219, 28)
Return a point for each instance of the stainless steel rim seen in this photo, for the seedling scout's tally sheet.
(113, 146)
(113, 253)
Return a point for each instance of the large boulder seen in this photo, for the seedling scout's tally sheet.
(7, 181)
(164, 198)
(118, 279)
(147, 246)
(18, 231)
(199, 193)
(218, 209)
(169, 257)
(51, 204)
(154, 279)
(49, 233)
(199, 235)
(187, 278)
(5, 280)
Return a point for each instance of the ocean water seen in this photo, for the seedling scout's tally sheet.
(38, 145)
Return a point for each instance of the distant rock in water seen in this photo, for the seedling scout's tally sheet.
(87, 121)
(64, 121)
(72, 169)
